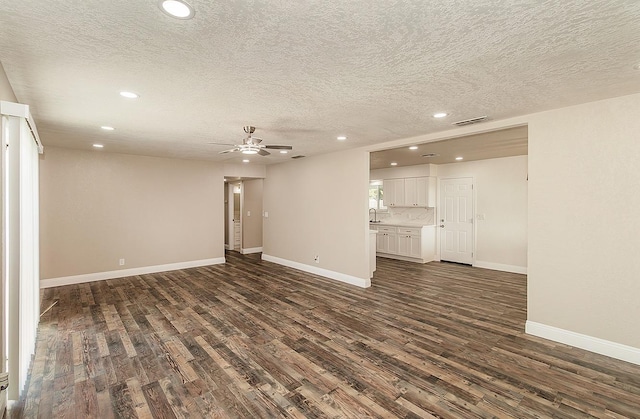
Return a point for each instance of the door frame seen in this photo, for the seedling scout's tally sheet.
(439, 210)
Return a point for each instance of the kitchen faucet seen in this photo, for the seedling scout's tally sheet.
(375, 215)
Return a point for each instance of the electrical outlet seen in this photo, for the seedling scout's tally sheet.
(248, 213)
(121, 262)
(266, 214)
(316, 259)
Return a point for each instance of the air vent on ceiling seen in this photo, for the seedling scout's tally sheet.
(297, 157)
(471, 121)
(431, 155)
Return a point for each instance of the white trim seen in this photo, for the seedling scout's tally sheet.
(501, 267)
(22, 111)
(99, 276)
(589, 343)
(226, 247)
(251, 250)
(338, 276)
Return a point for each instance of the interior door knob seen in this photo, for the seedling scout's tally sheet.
(441, 225)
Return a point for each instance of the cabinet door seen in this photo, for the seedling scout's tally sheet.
(389, 191)
(422, 191)
(404, 245)
(410, 192)
(393, 243)
(380, 243)
(415, 249)
(399, 198)
(393, 192)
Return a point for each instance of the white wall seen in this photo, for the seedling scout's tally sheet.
(584, 219)
(416, 170)
(318, 206)
(500, 190)
(252, 214)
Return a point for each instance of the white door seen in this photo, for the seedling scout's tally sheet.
(456, 220)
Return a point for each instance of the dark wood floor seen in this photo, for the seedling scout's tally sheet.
(253, 339)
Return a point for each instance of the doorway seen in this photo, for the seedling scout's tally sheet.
(456, 220)
(234, 217)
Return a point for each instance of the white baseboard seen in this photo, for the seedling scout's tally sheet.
(589, 343)
(349, 279)
(501, 267)
(99, 276)
(251, 250)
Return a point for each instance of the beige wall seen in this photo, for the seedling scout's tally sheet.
(318, 206)
(252, 224)
(98, 207)
(6, 91)
(584, 222)
(500, 187)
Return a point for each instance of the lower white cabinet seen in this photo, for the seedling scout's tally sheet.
(416, 244)
(387, 240)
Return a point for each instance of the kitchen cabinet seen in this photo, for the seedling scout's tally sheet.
(415, 243)
(409, 242)
(410, 192)
(394, 192)
(387, 240)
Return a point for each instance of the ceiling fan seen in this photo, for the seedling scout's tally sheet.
(253, 145)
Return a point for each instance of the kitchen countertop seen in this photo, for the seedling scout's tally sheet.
(401, 224)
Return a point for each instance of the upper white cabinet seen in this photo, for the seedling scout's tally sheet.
(410, 192)
(394, 192)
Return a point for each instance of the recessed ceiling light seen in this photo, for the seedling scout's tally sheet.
(177, 8)
(394, 164)
(636, 67)
(413, 147)
(283, 151)
(98, 146)
(342, 138)
(129, 95)
(245, 161)
(440, 115)
(458, 158)
(107, 128)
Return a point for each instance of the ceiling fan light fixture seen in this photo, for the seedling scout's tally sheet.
(250, 150)
(177, 9)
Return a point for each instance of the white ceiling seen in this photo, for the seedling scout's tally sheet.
(305, 72)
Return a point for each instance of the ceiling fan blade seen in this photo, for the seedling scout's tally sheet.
(279, 147)
(227, 144)
(263, 152)
(229, 151)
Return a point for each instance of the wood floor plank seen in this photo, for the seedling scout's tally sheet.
(251, 339)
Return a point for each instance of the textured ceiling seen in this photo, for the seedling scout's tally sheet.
(305, 72)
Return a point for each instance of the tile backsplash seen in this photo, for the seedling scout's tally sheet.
(424, 216)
